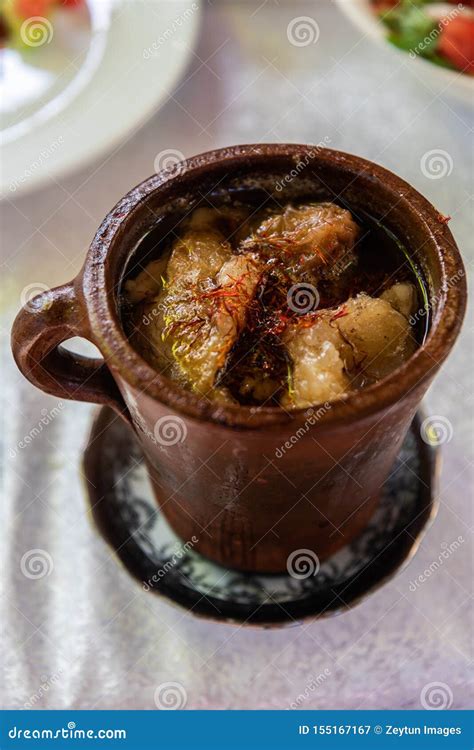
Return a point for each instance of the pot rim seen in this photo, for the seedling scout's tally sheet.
(99, 294)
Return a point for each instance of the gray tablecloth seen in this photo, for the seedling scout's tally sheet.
(86, 635)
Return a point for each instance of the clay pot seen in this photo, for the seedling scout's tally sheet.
(252, 485)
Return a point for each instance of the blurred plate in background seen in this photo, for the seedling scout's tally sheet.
(87, 79)
(439, 79)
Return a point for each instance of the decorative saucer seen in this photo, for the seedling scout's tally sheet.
(128, 517)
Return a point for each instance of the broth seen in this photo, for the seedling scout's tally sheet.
(259, 346)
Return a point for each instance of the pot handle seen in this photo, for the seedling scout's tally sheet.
(38, 331)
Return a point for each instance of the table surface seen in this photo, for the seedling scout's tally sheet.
(87, 636)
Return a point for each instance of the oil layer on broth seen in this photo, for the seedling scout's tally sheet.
(287, 307)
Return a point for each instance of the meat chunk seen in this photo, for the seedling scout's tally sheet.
(190, 324)
(318, 372)
(317, 238)
(353, 345)
(402, 297)
(380, 337)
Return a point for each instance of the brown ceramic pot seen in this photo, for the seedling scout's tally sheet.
(252, 485)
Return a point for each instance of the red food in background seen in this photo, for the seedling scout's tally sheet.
(381, 5)
(29, 8)
(456, 43)
(466, 3)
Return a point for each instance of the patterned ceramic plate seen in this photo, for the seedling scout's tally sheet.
(128, 517)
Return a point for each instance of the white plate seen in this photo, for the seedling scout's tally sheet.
(97, 76)
(440, 80)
